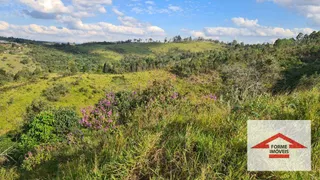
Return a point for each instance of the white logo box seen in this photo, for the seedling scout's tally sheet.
(279, 145)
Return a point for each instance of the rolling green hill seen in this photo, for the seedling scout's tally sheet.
(85, 57)
(83, 90)
(15, 58)
(150, 110)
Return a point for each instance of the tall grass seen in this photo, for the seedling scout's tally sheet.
(204, 139)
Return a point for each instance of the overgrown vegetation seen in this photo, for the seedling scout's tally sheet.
(172, 114)
(55, 92)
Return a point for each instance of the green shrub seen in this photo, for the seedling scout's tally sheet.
(126, 103)
(47, 125)
(40, 155)
(66, 121)
(242, 81)
(306, 82)
(54, 93)
(24, 61)
(83, 90)
(40, 130)
(35, 108)
(4, 76)
(7, 148)
(119, 107)
(119, 79)
(161, 91)
(24, 73)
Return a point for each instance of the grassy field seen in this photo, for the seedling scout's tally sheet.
(185, 121)
(11, 60)
(116, 51)
(14, 101)
(193, 138)
(50, 57)
(186, 46)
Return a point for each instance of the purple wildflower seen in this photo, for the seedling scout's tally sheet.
(175, 95)
(110, 113)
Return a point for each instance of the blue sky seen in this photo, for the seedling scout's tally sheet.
(250, 21)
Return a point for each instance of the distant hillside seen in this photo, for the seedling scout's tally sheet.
(56, 57)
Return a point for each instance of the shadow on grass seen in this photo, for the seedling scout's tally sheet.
(56, 167)
(123, 48)
(292, 77)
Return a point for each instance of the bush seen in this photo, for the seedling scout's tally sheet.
(118, 109)
(119, 79)
(40, 130)
(35, 108)
(306, 82)
(7, 147)
(54, 93)
(47, 125)
(24, 73)
(40, 155)
(4, 76)
(66, 121)
(242, 81)
(84, 90)
(24, 61)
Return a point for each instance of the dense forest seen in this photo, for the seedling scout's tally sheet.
(150, 110)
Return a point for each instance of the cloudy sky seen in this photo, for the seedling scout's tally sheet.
(250, 21)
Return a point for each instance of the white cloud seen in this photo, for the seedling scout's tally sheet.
(201, 34)
(197, 34)
(130, 26)
(49, 9)
(117, 12)
(102, 10)
(249, 28)
(308, 8)
(4, 1)
(129, 21)
(155, 30)
(92, 2)
(239, 21)
(47, 6)
(149, 2)
(3, 25)
(83, 32)
(156, 10)
(174, 8)
(137, 10)
(92, 5)
(75, 29)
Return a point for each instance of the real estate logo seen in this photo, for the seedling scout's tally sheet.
(279, 150)
(275, 145)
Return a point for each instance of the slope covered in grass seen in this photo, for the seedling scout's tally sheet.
(15, 58)
(86, 57)
(171, 136)
(83, 90)
(180, 113)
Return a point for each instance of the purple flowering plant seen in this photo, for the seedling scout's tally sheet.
(101, 116)
(117, 109)
(212, 97)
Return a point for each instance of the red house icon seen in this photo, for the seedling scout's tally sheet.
(265, 145)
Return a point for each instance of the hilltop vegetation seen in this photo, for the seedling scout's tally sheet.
(132, 110)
